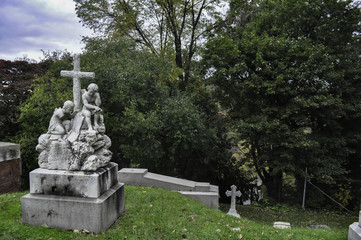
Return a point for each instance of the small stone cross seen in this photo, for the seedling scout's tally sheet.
(233, 194)
(77, 75)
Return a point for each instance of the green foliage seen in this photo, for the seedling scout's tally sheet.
(151, 124)
(160, 214)
(288, 85)
(16, 84)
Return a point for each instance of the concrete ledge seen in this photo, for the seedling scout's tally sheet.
(64, 212)
(354, 231)
(132, 176)
(73, 183)
(9, 151)
(169, 183)
(200, 191)
(210, 199)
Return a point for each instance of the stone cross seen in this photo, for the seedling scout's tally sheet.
(77, 75)
(233, 194)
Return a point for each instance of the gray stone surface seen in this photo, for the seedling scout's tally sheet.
(209, 199)
(170, 183)
(282, 225)
(64, 212)
(76, 138)
(202, 186)
(354, 230)
(200, 191)
(233, 194)
(9, 151)
(73, 183)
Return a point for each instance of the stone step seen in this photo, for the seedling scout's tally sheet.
(169, 183)
(209, 199)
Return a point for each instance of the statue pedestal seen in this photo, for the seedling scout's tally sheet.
(74, 199)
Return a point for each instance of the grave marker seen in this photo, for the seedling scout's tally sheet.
(233, 194)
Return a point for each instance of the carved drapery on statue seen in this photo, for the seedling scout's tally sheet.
(76, 138)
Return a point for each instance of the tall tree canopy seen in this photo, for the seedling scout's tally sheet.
(173, 28)
(16, 78)
(288, 73)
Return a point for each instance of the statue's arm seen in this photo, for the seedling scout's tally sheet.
(88, 105)
(97, 99)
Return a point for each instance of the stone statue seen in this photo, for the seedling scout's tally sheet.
(74, 141)
(58, 125)
(91, 101)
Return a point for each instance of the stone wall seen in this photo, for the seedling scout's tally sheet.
(10, 167)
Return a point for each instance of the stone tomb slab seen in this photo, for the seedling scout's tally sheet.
(73, 183)
(64, 212)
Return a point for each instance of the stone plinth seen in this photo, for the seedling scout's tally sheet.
(10, 167)
(354, 231)
(73, 183)
(74, 200)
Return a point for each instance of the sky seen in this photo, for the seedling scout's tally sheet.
(27, 26)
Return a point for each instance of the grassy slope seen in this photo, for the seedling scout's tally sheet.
(159, 214)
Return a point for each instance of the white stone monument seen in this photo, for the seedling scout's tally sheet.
(354, 231)
(282, 225)
(76, 186)
(233, 194)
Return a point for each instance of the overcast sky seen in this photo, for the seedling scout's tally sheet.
(27, 26)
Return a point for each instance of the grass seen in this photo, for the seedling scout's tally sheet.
(296, 216)
(160, 214)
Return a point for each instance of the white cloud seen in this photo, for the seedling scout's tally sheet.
(27, 26)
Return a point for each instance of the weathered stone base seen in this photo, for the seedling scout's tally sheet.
(233, 212)
(73, 183)
(64, 212)
(354, 231)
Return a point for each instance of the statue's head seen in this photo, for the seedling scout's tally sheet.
(93, 88)
(68, 107)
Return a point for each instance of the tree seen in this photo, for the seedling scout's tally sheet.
(172, 28)
(16, 84)
(149, 127)
(285, 79)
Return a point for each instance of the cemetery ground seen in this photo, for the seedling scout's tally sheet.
(153, 213)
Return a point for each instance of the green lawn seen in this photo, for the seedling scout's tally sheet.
(160, 214)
